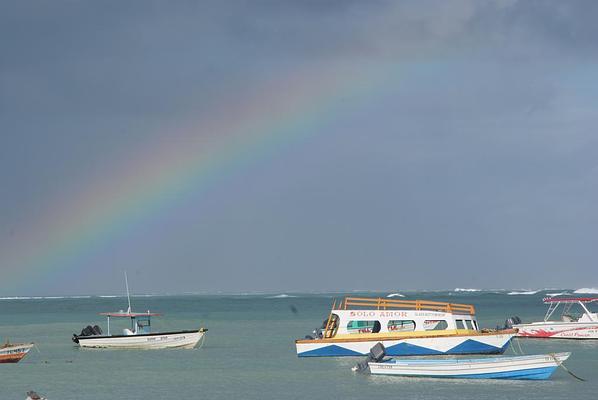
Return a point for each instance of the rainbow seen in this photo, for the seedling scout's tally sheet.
(183, 159)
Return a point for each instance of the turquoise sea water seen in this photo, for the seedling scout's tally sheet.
(249, 352)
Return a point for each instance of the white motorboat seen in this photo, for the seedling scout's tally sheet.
(570, 326)
(139, 336)
(537, 367)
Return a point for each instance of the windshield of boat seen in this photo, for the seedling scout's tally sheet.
(143, 325)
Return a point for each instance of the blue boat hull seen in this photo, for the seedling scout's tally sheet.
(532, 367)
(527, 374)
(468, 346)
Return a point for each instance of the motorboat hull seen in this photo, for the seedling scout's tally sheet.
(164, 340)
(558, 330)
(536, 367)
(484, 343)
(13, 353)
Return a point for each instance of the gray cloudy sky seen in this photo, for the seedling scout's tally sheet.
(476, 167)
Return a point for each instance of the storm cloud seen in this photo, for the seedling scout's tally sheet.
(476, 165)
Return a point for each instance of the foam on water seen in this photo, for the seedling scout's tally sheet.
(35, 297)
(557, 294)
(528, 292)
(586, 291)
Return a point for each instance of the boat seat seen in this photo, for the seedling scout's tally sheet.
(128, 332)
(568, 318)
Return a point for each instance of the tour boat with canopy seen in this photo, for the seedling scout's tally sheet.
(583, 325)
(139, 336)
(404, 327)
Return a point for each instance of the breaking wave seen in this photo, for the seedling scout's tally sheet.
(395, 295)
(467, 290)
(280, 296)
(557, 294)
(586, 291)
(42, 297)
(523, 292)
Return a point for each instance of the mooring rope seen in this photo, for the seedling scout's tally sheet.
(560, 364)
(518, 351)
(519, 345)
(202, 341)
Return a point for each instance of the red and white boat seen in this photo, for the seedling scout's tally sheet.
(13, 353)
(582, 325)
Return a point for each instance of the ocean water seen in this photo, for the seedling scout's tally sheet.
(249, 352)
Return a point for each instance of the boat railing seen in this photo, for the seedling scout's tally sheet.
(385, 304)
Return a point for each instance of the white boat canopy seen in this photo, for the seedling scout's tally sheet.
(568, 302)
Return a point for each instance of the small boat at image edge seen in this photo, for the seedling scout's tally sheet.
(404, 327)
(13, 353)
(584, 326)
(32, 395)
(139, 336)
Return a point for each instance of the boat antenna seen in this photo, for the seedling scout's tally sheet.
(128, 295)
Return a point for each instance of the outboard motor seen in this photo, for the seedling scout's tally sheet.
(317, 333)
(90, 331)
(376, 354)
(509, 322)
(97, 330)
(87, 331)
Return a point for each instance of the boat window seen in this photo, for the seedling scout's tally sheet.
(460, 324)
(435, 325)
(404, 325)
(363, 326)
(141, 323)
(468, 323)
